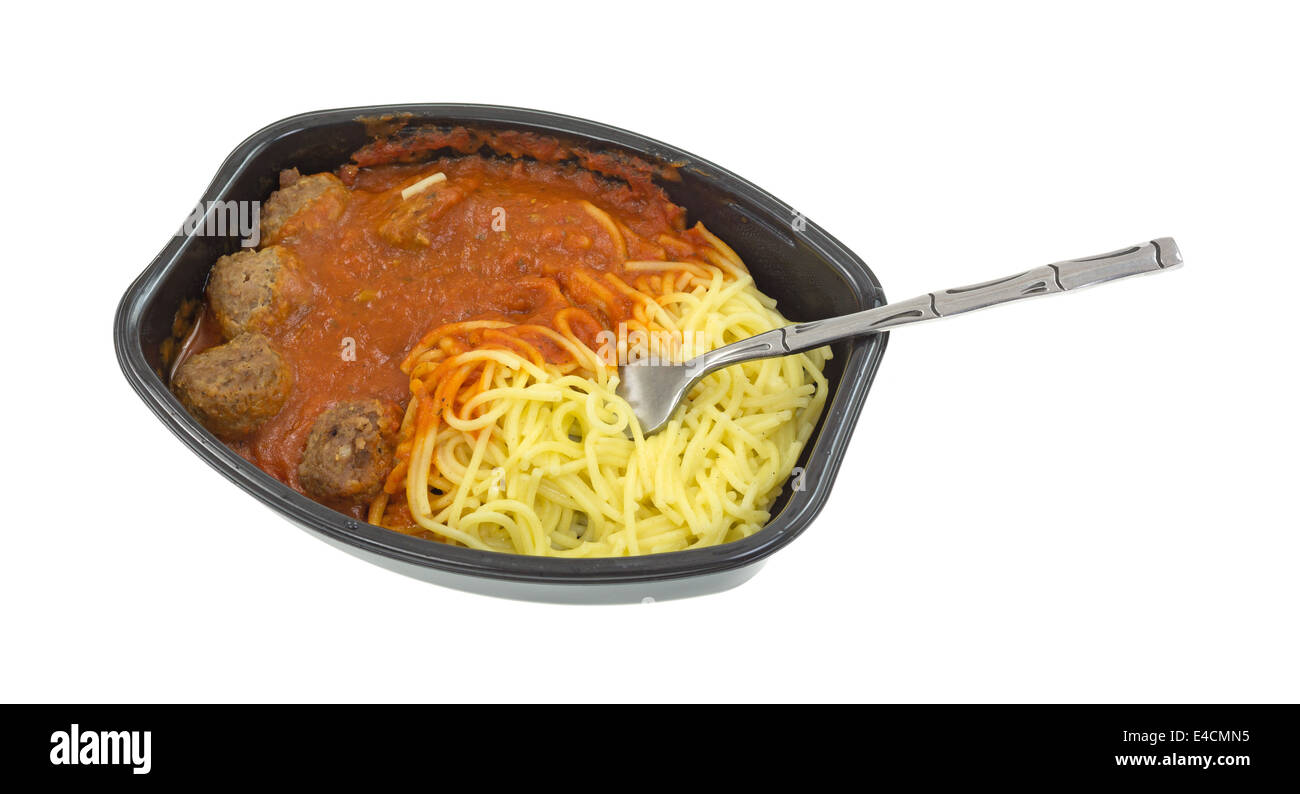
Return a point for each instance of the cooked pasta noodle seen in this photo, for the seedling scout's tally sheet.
(514, 439)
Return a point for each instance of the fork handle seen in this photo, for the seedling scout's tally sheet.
(1152, 257)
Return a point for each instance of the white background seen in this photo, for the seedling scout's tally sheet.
(1087, 498)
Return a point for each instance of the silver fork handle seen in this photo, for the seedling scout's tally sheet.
(1153, 257)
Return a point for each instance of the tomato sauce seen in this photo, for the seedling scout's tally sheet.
(498, 240)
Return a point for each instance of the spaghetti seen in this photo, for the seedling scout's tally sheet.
(514, 439)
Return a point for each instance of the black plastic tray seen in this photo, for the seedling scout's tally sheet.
(810, 274)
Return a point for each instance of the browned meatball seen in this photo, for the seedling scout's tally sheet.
(319, 198)
(255, 290)
(233, 388)
(350, 451)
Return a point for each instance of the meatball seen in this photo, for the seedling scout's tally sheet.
(233, 388)
(307, 201)
(252, 291)
(350, 451)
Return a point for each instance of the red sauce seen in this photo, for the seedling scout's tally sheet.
(499, 240)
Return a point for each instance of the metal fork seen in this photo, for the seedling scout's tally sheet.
(654, 390)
